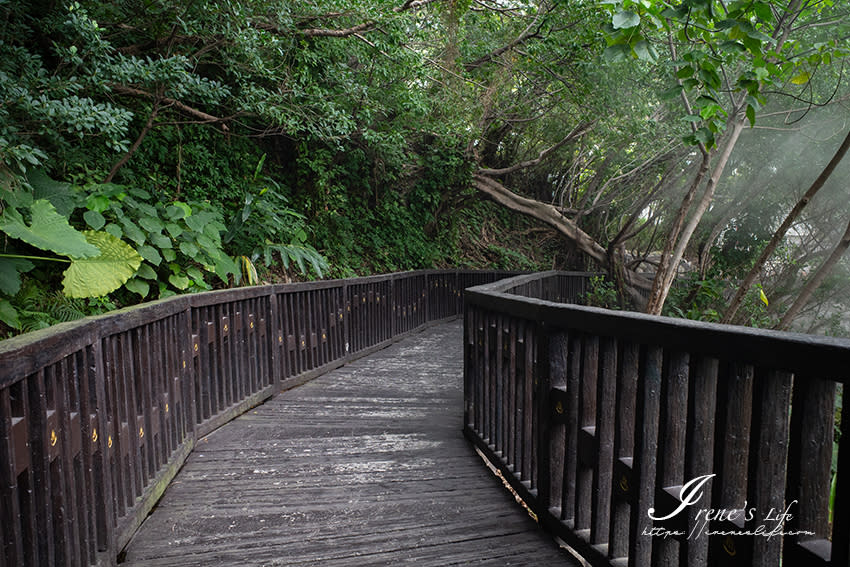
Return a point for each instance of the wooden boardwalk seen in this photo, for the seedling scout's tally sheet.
(366, 465)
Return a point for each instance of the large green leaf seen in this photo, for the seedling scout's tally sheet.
(48, 231)
(10, 274)
(625, 19)
(138, 286)
(9, 315)
(95, 277)
(58, 193)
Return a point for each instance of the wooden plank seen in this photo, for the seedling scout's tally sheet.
(606, 418)
(841, 525)
(572, 412)
(766, 490)
(734, 418)
(10, 516)
(671, 451)
(645, 458)
(557, 354)
(810, 456)
(587, 419)
(365, 465)
(702, 405)
(624, 440)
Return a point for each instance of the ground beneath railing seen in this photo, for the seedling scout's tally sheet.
(365, 465)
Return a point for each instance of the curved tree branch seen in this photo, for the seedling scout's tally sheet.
(578, 131)
(550, 215)
(199, 114)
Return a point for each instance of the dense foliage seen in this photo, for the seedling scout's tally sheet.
(164, 147)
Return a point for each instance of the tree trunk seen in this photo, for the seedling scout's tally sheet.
(667, 276)
(656, 302)
(777, 237)
(815, 281)
(550, 215)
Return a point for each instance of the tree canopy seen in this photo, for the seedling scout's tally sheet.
(223, 141)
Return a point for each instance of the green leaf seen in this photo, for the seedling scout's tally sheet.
(763, 11)
(146, 271)
(178, 281)
(9, 315)
(189, 249)
(195, 274)
(725, 24)
(59, 194)
(114, 230)
(213, 229)
(685, 72)
(49, 230)
(151, 224)
(150, 254)
(104, 273)
(138, 286)
(198, 221)
(94, 219)
(676, 13)
(10, 274)
(169, 254)
(160, 240)
(173, 229)
(672, 93)
(178, 210)
(645, 51)
(132, 231)
(225, 266)
(614, 53)
(735, 46)
(97, 203)
(751, 115)
(705, 136)
(625, 19)
(801, 79)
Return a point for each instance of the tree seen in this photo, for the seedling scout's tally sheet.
(780, 232)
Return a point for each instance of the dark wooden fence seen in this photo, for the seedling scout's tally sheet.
(97, 416)
(598, 418)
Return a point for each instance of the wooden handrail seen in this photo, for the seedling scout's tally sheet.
(98, 415)
(599, 418)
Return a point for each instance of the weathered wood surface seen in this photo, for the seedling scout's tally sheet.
(366, 465)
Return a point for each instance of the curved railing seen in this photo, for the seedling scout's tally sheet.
(98, 415)
(598, 418)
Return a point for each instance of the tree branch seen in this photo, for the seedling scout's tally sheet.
(541, 211)
(816, 280)
(526, 34)
(350, 31)
(126, 157)
(578, 131)
(201, 115)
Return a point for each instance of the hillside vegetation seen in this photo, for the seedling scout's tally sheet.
(154, 148)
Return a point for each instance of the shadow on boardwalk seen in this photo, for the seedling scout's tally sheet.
(366, 465)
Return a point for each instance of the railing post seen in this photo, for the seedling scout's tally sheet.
(189, 347)
(392, 308)
(346, 321)
(646, 448)
(275, 341)
(551, 414)
(426, 307)
(104, 490)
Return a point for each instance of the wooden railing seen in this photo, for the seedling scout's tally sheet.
(97, 416)
(598, 418)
